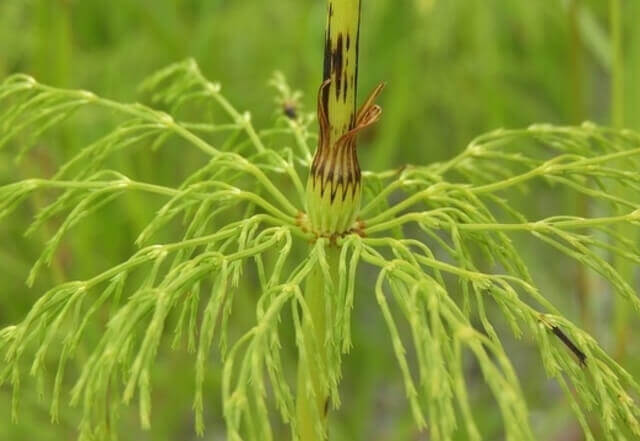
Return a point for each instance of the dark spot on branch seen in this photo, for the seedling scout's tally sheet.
(568, 343)
(290, 111)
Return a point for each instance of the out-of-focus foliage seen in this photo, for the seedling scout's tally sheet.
(455, 69)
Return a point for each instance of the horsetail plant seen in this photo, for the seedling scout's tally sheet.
(440, 238)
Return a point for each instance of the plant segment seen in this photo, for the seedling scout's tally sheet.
(332, 201)
(334, 185)
(439, 239)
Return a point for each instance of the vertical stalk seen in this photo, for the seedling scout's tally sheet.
(621, 313)
(332, 199)
(617, 69)
(52, 64)
(633, 71)
(333, 187)
(577, 63)
(578, 111)
(341, 49)
(312, 401)
(54, 43)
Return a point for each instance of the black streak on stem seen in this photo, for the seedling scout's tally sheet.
(338, 64)
(326, 74)
(567, 341)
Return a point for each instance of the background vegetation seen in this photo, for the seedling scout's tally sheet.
(455, 69)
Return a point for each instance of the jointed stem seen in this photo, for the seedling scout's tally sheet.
(330, 211)
(312, 392)
(341, 65)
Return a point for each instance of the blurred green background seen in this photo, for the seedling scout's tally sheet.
(454, 68)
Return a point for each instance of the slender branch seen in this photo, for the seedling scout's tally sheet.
(430, 218)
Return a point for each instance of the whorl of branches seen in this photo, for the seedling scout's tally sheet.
(439, 236)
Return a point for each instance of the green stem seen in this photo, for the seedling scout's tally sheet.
(310, 404)
(621, 309)
(335, 161)
(334, 183)
(577, 64)
(52, 65)
(578, 111)
(617, 70)
(341, 65)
